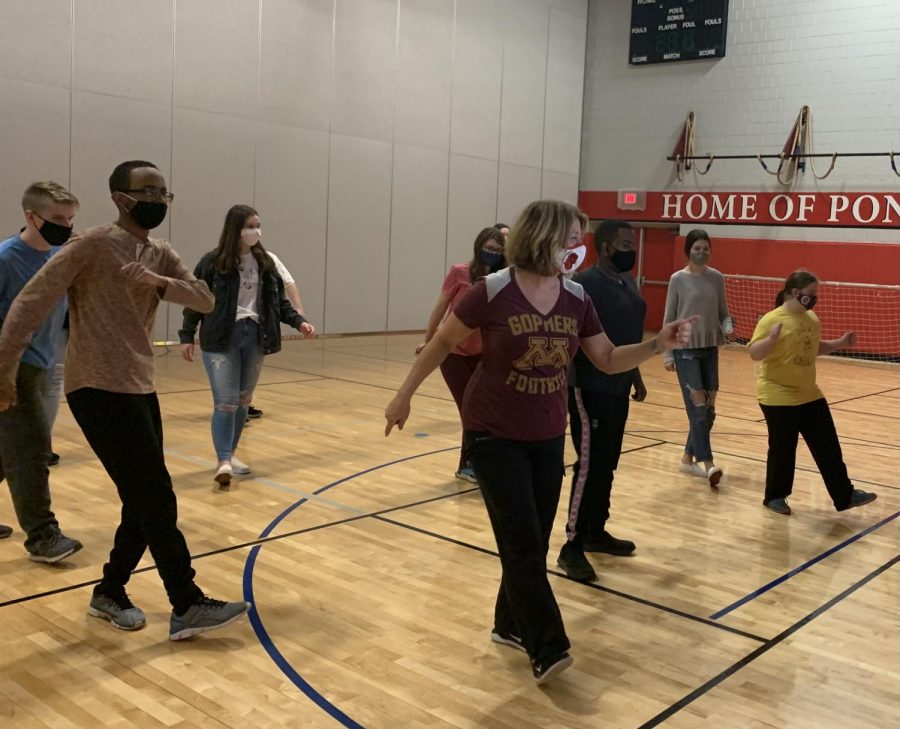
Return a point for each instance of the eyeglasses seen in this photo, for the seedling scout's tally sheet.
(154, 193)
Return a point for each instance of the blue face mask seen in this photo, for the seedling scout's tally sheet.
(491, 259)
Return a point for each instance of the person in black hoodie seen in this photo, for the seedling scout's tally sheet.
(243, 327)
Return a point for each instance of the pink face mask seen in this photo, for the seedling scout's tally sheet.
(569, 259)
(251, 236)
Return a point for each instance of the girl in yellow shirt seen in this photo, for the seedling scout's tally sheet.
(786, 342)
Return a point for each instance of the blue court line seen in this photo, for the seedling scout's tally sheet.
(797, 570)
(256, 621)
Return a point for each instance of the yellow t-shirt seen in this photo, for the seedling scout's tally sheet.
(788, 375)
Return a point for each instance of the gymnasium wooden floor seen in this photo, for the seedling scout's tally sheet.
(373, 572)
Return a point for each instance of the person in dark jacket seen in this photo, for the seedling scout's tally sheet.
(598, 402)
(243, 327)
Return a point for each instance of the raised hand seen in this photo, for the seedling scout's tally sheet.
(675, 334)
(849, 339)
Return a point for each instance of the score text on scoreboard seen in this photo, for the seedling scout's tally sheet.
(664, 31)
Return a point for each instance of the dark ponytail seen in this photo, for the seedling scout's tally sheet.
(797, 280)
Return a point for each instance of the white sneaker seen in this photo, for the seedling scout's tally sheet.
(223, 473)
(714, 475)
(238, 467)
(695, 469)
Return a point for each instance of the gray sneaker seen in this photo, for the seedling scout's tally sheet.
(118, 610)
(205, 615)
(53, 548)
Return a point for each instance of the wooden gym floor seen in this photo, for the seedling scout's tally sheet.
(373, 571)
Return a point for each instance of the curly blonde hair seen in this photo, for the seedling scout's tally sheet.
(541, 230)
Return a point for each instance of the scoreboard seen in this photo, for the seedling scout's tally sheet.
(664, 31)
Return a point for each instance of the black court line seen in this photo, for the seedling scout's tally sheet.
(244, 545)
(357, 382)
(719, 614)
(755, 459)
(681, 408)
(265, 384)
(866, 442)
(863, 412)
(593, 586)
(862, 397)
(763, 649)
(379, 515)
(447, 399)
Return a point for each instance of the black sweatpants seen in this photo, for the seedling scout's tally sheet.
(521, 482)
(813, 421)
(457, 370)
(597, 423)
(125, 431)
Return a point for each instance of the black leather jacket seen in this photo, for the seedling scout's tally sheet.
(217, 326)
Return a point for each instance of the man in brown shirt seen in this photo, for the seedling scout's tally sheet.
(115, 276)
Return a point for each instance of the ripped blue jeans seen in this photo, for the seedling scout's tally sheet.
(233, 376)
(698, 369)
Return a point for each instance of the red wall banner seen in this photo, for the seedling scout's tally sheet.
(819, 209)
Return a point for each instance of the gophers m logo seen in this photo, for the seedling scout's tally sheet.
(544, 352)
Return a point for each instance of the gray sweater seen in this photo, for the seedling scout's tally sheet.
(702, 294)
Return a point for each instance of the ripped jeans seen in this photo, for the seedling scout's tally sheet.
(233, 376)
(698, 369)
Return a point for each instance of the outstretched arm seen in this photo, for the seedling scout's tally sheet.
(434, 319)
(442, 343)
(827, 346)
(611, 359)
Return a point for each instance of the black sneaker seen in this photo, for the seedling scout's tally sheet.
(204, 615)
(253, 413)
(118, 609)
(5, 531)
(504, 637)
(53, 460)
(546, 669)
(575, 564)
(779, 506)
(53, 548)
(860, 498)
(609, 544)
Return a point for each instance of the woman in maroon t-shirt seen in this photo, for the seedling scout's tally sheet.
(458, 367)
(532, 323)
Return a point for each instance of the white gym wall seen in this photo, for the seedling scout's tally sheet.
(376, 137)
(840, 58)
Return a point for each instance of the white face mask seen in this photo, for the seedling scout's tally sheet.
(569, 259)
(251, 236)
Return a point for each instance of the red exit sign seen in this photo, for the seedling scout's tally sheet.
(632, 200)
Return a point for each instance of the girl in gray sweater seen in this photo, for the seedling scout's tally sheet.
(698, 290)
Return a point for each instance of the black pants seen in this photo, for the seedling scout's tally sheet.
(520, 482)
(597, 426)
(813, 421)
(457, 370)
(24, 452)
(125, 431)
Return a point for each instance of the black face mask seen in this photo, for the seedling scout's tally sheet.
(491, 259)
(807, 301)
(54, 233)
(148, 215)
(622, 261)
